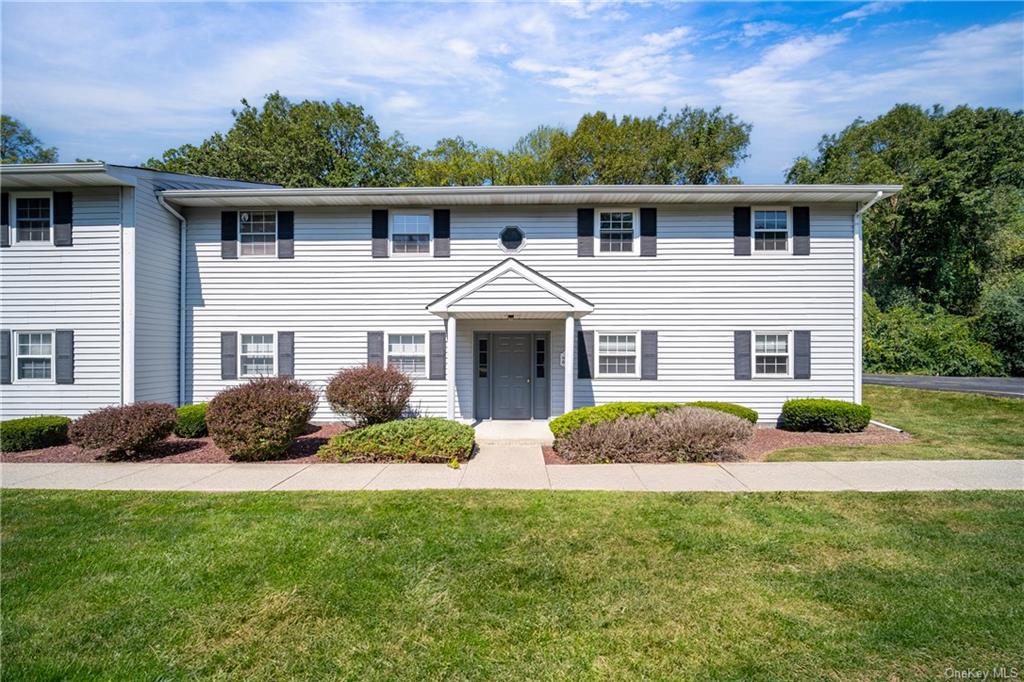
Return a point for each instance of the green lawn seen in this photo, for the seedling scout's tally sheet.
(944, 425)
(509, 585)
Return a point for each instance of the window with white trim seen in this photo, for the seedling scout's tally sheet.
(34, 356)
(257, 233)
(772, 354)
(771, 229)
(257, 355)
(33, 218)
(411, 233)
(616, 231)
(408, 353)
(617, 355)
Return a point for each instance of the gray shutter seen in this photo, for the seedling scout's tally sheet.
(649, 355)
(741, 231)
(63, 203)
(584, 354)
(379, 233)
(437, 355)
(649, 232)
(286, 234)
(229, 235)
(442, 234)
(801, 231)
(585, 232)
(375, 348)
(286, 354)
(741, 354)
(229, 355)
(5, 223)
(5, 357)
(801, 355)
(64, 350)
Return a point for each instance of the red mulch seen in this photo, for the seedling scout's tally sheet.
(174, 449)
(770, 440)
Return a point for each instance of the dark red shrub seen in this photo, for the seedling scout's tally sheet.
(122, 431)
(260, 419)
(370, 394)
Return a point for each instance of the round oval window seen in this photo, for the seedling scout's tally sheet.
(511, 238)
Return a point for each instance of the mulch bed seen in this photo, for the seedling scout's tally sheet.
(770, 440)
(191, 450)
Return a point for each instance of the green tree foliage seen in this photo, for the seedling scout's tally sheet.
(1001, 319)
(19, 145)
(454, 161)
(939, 239)
(305, 144)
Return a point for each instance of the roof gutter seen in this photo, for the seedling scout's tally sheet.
(181, 296)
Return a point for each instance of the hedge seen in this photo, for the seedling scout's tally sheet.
(260, 419)
(32, 433)
(428, 439)
(819, 414)
(730, 408)
(191, 421)
(570, 421)
(124, 430)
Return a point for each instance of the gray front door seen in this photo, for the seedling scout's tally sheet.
(511, 378)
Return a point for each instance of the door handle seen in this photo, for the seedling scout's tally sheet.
(528, 380)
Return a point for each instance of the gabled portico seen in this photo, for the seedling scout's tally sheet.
(511, 291)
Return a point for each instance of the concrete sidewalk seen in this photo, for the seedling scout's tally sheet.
(522, 467)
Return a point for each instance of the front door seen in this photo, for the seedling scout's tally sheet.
(511, 377)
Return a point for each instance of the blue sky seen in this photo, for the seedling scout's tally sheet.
(123, 82)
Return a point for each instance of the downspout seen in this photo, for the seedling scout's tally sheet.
(858, 293)
(181, 296)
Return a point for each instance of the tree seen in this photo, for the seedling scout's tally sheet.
(19, 145)
(455, 161)
(305, 144)
(945, 234)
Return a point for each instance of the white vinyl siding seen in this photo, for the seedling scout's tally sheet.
(695, 293)
(76, 287)
(408, 353)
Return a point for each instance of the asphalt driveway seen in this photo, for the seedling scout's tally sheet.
(1004, 387)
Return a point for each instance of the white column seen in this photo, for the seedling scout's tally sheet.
(570, 365)
(449, 360)
(858, 306)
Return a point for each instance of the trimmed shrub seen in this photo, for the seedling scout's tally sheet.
(570, 421)
(32, 433)
(687, 434)
(125, 430)
(428, 439)
(729, 408)
(191, 421)
(370, 394)
(259, 420)
(820, 414)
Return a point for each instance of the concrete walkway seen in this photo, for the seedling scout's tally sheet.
(522, 466)
(1003, 387)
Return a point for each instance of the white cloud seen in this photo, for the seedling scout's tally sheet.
(869, 9)
(756, 29)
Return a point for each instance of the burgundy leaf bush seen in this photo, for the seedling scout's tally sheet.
(370, 394)
(124, 431)
(687, 434)
(260, 419)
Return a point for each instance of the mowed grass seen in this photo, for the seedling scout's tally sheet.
(460, 585)
(945, 425)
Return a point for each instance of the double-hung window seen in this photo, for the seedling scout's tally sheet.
(257, 233)
(34, 351)
(772, 354)
(771, 230)
(617, 354)
(257, 357)
(408, 353)
(411, 233)
(616, 231)
(33, 218)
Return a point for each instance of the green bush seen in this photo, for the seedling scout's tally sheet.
(729, 408)
(259, 419)
(570, 421)
(820, 414)
(1001, 320)
(427, 439)
(191, 421)
(32, 433)
(920, 339)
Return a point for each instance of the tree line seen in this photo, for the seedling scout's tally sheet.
(944, 258)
